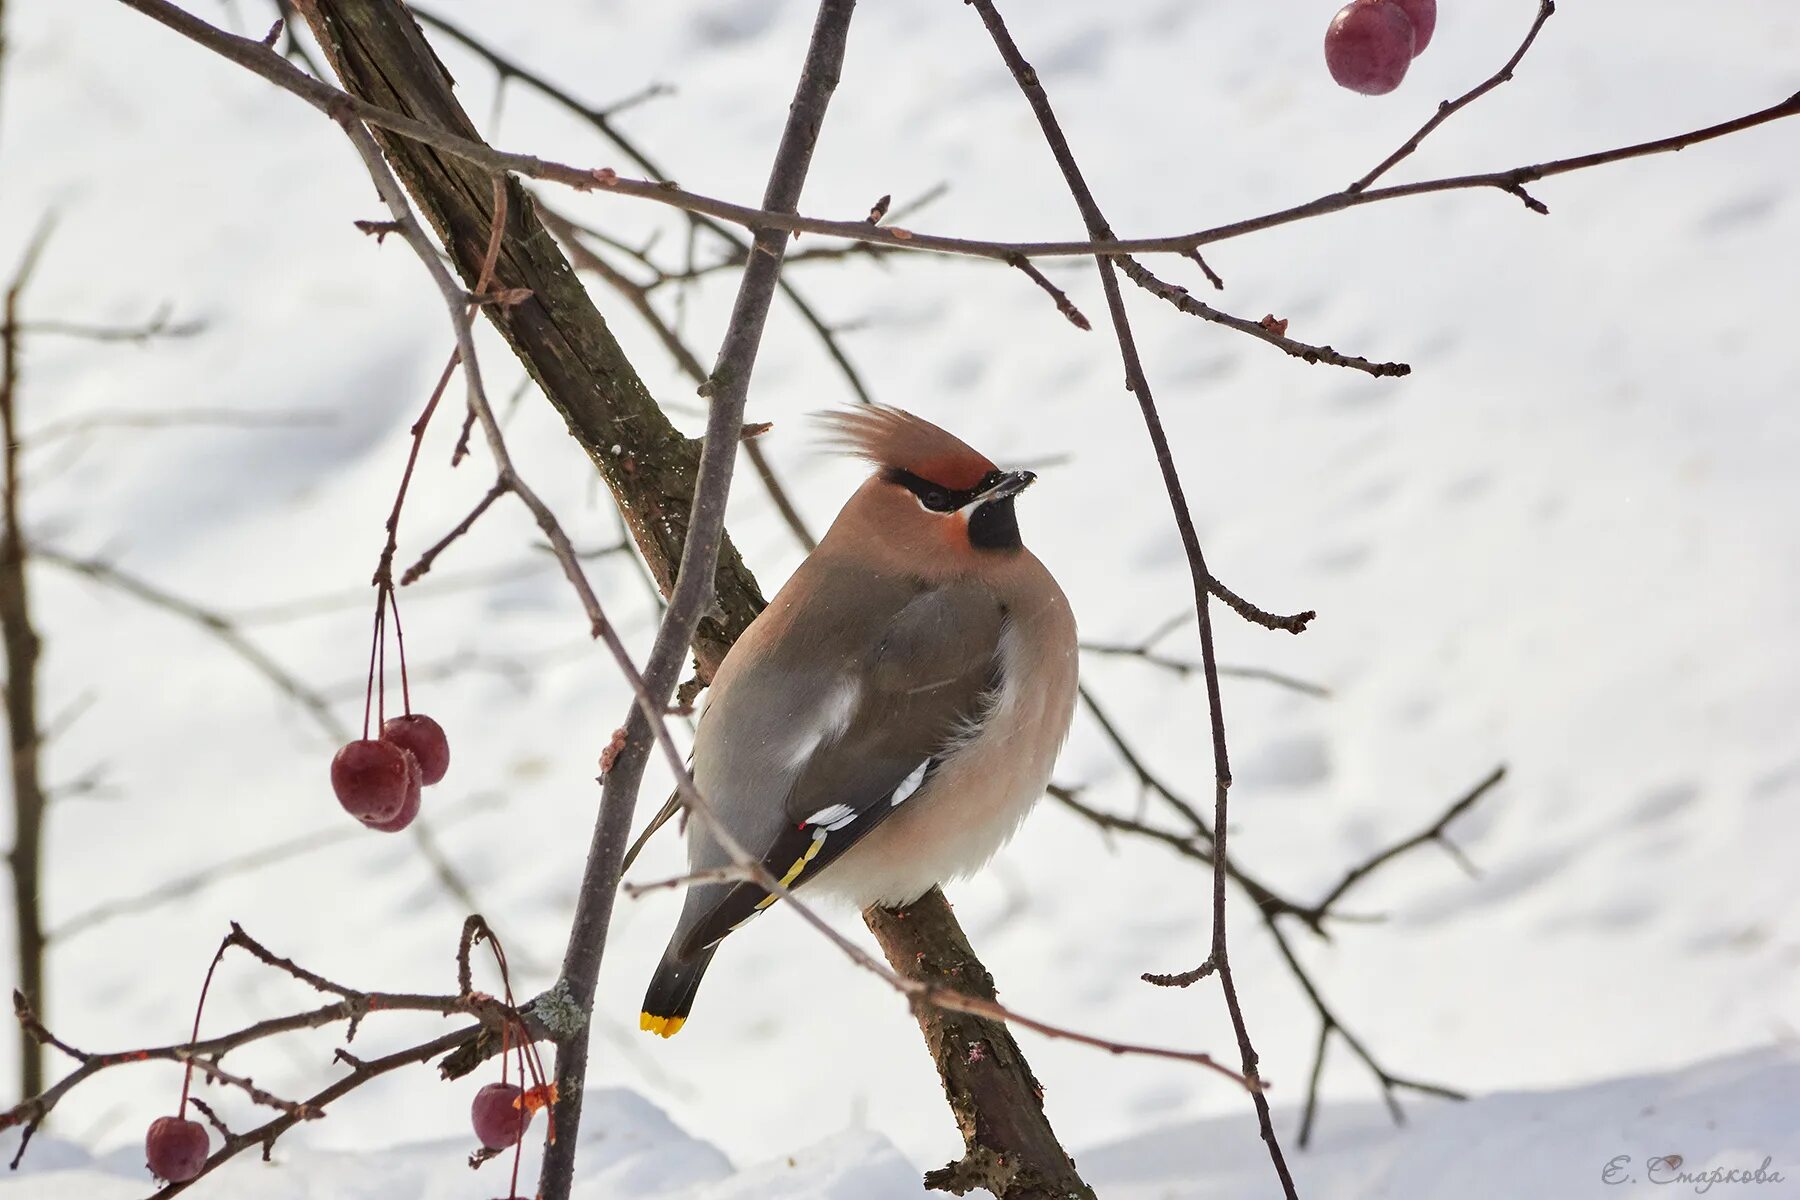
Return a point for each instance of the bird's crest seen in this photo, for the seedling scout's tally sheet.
(892, 438)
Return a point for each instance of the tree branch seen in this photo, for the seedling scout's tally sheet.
(1139, 386)
(727, 388)
(23, 647)
(1450, 108)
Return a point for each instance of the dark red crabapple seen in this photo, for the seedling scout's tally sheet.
(425, 738)
(371, 779)
(175, 1148)
(1368, 46)
(498, 1116)
(1423, 15)
(409, 808)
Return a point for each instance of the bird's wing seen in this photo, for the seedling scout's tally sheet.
(670, 807)
(891, 699)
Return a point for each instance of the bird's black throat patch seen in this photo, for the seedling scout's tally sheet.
(995, 526)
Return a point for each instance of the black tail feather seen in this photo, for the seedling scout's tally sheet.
(672, 990)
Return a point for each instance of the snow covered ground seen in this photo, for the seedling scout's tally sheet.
(1569, 542)
(1718, 1127)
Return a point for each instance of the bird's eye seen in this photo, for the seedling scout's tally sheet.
(937, 500)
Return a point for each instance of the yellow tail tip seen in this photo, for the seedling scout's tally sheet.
(661, 1026)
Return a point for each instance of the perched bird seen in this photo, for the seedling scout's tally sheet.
(890, 718)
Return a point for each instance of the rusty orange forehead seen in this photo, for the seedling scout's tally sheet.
(893, 438)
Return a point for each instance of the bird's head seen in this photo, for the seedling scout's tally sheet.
(931, 489)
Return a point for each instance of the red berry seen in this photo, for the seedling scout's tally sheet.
(1423, 14)
(1369, 45)
(425, 738)
(498, 1116)
(371, 779)
(409, 808)
(176, 1149)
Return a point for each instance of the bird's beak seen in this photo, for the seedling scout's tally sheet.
(1011, 484)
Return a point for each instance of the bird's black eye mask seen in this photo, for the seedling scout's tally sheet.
(936, 496)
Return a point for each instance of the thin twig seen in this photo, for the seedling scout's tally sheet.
(216, 624)
(727, 388)
(160, 325)
(1435, 832)
(181, 418)
(638, 296)
(1139, 386)
(23, 652)
(419, 569)
(1450, 108)
(183, 886)
(350, 1006)
(1061, 298)
(1184, 667)
(1183, 300)
(600, 119)
(336, 103)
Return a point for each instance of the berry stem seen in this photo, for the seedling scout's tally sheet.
(369, 690)
(384, 567)
(187, 1078)
(400, 646)
(381, 658)
(528, 1052)
(512, 1190)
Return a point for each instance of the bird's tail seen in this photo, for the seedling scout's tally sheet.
(672, 989)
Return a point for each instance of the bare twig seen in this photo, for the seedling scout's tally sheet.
(1450, 108)
(727, 388)
(418, 570)
(1212, 276)
(638, 296)
(1184, 667)
(1063, 304)
(179, 418)
(160, 325)
(271, 66)
(1296, 623)
(1139, 386)
(216, 624)
(601, 120)
(1510, 180)
(1183, 300)
(1330, 1024)
(351, 1006)
(1435, 832)
(183, 886)
(23, 648)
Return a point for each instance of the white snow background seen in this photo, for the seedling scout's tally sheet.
(1568, 542)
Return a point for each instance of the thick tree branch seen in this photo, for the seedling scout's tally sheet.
(557, 332)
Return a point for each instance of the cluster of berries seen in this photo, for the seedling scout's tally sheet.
(1370, 43)
(377, 780)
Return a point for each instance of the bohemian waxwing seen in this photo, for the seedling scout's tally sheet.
(891, 717)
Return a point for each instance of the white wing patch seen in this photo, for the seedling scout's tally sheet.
(832, 818)
(833, 718)
(910, 784)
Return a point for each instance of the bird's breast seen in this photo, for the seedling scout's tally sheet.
(984, 785)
